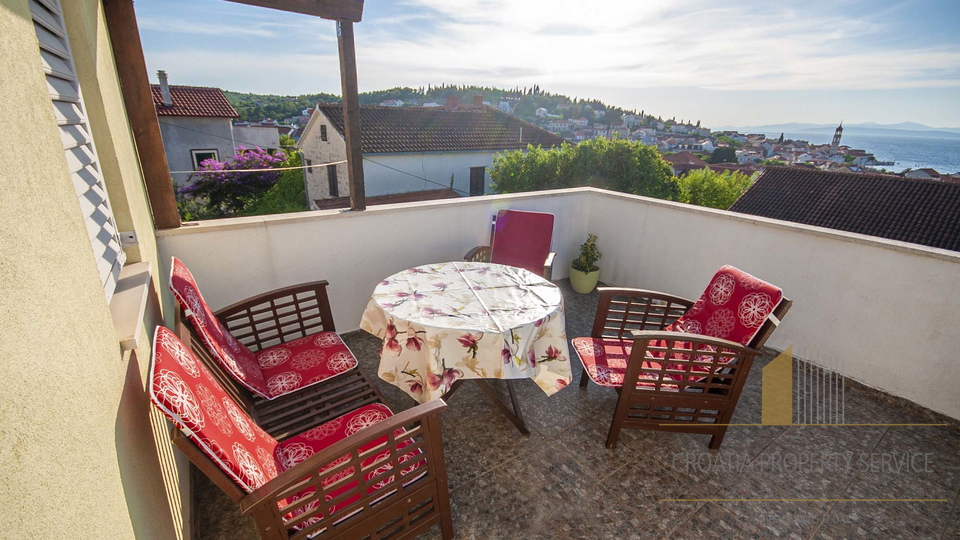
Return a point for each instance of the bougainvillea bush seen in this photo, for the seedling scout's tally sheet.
(222, 188)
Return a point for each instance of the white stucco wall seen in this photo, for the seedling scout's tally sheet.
(254, 136)
(181, 134)
(381, 176)
(886, 309)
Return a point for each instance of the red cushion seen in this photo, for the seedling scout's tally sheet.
(293, 365)
(230, 353)
(605, 361)
(734, 307)
(522, 239)
(296, 449)
(187, 393)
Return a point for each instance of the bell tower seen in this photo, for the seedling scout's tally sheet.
(835, 145)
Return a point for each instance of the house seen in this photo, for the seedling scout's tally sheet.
(264, 135)
(927, 174)
(505, 107)
(580, 123)
(684, 162)
(633, 120)
(196, 124)
(414, 149)
(909, 210)
(392, 103)
(559, 125)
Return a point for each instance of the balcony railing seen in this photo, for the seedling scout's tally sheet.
(886, 309)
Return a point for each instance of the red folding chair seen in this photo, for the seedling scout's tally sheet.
(520, 239)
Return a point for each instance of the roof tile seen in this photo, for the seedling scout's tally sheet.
(193, 101)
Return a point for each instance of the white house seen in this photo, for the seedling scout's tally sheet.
(414, 149)
(926, 174)
(559, 125)
(392, 103)
(264, 135)
(196, 124)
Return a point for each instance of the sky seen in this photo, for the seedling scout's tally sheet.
(725, 63)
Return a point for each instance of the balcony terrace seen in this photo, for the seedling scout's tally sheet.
(875, 308)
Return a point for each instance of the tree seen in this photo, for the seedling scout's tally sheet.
(729, 142)
(222, 189)
(713, 189)
(287, 195)
(616, 164)
(287, 141)
(723, 154)
(781, 139)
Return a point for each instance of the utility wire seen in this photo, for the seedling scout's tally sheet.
(232, 139)
(418, 177)
(260, 170)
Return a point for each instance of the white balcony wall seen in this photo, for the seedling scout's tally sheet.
(886, 310)
(233, 259)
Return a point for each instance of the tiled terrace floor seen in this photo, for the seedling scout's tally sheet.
(560, 483)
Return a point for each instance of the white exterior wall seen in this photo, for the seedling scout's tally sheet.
(380, 178)
(886, 309)
(181, 134)
(254, 136)
(317, 151)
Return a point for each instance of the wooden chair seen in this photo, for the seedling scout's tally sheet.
(670, 376)
(278, 317)
(520, 239)
(364, 474)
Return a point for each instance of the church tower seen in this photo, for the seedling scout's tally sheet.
(835, 145)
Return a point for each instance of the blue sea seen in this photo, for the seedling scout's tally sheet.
(915, 152)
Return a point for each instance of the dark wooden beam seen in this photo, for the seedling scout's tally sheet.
(132, 71)
(349, 10)
(351, 113)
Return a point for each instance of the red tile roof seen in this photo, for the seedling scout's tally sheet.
(193, 101)
(394, 198)
(910, 210)
(685, 158)
(438, 129)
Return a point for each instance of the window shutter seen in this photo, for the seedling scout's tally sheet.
(75, 134)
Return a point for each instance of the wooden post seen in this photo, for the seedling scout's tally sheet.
(351, 112)
(132, 71)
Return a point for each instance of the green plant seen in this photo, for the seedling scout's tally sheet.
(589, 255)
(713, 189)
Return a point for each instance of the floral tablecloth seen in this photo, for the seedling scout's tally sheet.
(468, 320)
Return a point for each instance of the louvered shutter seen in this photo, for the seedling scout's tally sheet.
(75, 134)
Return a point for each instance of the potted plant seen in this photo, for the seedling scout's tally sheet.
(584, 272)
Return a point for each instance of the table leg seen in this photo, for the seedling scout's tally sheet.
(515, 416)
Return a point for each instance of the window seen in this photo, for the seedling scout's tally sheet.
(82, 162)
(332, 180)
(309, 168)
(477, 176)
(199, 156)
(323, 132)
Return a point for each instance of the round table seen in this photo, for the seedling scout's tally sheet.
(441, 323)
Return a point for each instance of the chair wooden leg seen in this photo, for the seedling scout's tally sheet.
(623, 407)
(584, 378)
(717, 439)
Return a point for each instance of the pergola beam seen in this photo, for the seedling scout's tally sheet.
(351, 113)
(347, 10)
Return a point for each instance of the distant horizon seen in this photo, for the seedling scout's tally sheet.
(753, 63)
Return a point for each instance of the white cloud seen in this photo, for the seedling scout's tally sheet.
(641, 44)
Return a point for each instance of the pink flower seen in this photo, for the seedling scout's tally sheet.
(539, 322)
(385, 282)
(413, 342)
(552, 353)
(434, 380)
(431, 312)
(469, 340)
(532, 358)
(562, 383)
(505, 353)
(390, 342)
(446, 379)
(415, 387)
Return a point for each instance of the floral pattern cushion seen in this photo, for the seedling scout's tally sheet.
(297, 449)
(230, 353)
(187, 393)
(734, 307)
(299, 363)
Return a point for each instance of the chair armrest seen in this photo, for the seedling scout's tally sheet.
(305, 474)
(712, 367)
(256, 321)
(479, 254)
(638, 309)
(548, 267)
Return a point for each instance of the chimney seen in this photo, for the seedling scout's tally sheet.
(164, 88)
(451, 102)
(478, 101)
